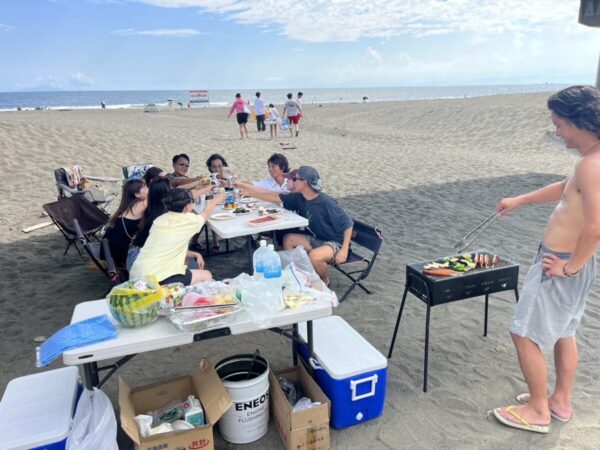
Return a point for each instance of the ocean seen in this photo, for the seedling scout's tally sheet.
(10, 101)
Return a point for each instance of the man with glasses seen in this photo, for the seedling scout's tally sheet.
(327, 238)
(179, 177)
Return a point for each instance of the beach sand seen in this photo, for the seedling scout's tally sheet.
(426, 172)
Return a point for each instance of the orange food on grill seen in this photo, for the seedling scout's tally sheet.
(441, 272)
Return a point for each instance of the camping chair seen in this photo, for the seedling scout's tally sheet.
(68, 183)
(106, 265)
(135, 171)
(357, 267)
(63, 212)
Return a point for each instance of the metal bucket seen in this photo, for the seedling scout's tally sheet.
(246, 378)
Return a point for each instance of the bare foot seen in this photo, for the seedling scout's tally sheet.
(561, 411)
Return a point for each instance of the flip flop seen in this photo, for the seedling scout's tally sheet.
(524, 399)
(522, 424)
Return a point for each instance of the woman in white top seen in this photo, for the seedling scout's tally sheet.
(273, 121)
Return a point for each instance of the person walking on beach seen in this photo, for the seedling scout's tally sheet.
(259, 110)
(240, 106)
(293, 111)
(273, 120)
(555, 289)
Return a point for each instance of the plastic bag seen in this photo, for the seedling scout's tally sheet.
(260, 300)
(78, 334)
(304, 403)
(289, 390)
(301, 281)
(94, 425)
(135, 303)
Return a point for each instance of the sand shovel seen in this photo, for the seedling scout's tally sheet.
(472, 235)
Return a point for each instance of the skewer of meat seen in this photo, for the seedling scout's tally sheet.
(495, 260)
(476, 259)
(487, 260)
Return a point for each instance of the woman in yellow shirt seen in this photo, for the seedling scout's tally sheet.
(166, 248)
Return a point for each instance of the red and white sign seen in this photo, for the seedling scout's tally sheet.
(199, 96)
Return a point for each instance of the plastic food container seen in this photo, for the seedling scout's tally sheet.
(203, 318)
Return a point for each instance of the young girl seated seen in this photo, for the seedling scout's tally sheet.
(166, 248)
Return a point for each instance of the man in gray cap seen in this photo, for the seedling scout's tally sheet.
(327, 238)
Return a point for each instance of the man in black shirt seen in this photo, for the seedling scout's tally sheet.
(329, 227)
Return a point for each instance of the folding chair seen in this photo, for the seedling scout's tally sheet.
(64, 211)
(357, 267)
(135, 170)
(67, 185)
(106, 264)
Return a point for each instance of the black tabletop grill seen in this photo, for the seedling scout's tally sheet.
(435, 290)
(480, 281)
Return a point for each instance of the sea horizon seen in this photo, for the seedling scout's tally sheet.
(124, 99)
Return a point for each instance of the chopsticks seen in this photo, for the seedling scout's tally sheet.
(470, 237)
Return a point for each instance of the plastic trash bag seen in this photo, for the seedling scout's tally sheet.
(304, 403)
(260, 300)
(78, 334)
(300, 280)
(94, 425)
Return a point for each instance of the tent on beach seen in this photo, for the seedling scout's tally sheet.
(151, 107)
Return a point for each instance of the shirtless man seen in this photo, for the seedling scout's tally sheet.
(554, 293)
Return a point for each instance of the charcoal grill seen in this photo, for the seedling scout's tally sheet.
(434, 291)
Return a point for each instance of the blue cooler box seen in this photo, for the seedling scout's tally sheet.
(37, 410)
(351, 372)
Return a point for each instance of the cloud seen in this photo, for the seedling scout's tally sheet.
(181, 32)
(350, 20)
(374, 55)
(4, 27)
(75, 81)
(79, 79)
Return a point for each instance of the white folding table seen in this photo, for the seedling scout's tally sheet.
(238, 225)
(162, 334)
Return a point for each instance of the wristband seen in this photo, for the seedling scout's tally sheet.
(569, 274)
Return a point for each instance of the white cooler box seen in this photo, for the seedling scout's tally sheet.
(37, 410)
(351, 372)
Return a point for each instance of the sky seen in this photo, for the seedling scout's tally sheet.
(240, 44)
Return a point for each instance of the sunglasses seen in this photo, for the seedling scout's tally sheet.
(298, 179)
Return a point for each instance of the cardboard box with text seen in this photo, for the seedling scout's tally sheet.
(302, 430)
(204, 383)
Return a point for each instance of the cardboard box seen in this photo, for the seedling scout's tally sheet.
(204, 383)
(302, 430)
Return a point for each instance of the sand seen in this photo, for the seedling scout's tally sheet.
(426, 172)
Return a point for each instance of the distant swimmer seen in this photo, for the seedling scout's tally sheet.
(103, 105)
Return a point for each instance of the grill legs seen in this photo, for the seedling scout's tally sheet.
(398, 322)
(426, 362)
(427, 322)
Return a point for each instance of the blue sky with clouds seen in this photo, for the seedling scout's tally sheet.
(183, 44)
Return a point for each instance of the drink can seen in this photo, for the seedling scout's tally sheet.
(229, 198)
(236, 195)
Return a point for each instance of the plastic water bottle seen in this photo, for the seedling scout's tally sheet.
(257, 259)
(272, 268)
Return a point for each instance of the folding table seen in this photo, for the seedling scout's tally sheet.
(162, 334)
(238, 226)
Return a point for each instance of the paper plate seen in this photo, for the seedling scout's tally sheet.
(222, 216)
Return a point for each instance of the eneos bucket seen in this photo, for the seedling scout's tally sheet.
(246, 378)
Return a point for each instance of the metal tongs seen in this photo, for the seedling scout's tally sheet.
(472, 235)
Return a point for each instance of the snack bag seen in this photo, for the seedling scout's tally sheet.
(135, 303)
